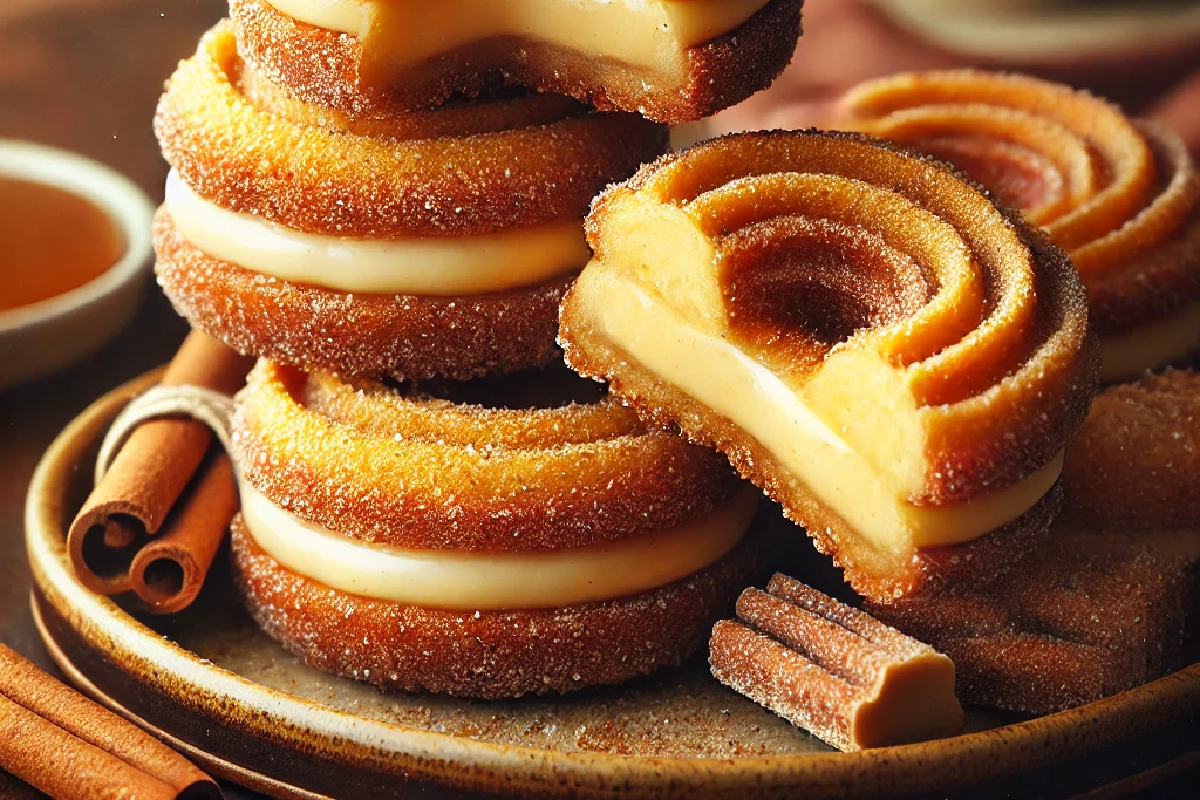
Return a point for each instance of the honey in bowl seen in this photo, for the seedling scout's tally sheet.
(51, 241)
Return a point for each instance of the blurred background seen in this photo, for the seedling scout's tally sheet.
(1142, 54)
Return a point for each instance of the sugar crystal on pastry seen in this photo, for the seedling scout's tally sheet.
(1136, 460)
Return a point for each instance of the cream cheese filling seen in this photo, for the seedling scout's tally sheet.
(724, 379)
(490, 581)
(1128, 355)
(642, 32)
(418, 265)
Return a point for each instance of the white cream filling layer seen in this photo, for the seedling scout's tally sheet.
(425, 266)
(1127, 356)
(491, 581)
(632, 31)
(723, 379)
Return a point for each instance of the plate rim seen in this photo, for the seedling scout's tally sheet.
(427, 755)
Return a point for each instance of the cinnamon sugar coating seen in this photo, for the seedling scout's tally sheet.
(316, 180)
(401, 336)
(824, 245)
(1136, 460)
(359, 457)
(322, 67)
(487, 654)
(1122, 197)
(834, 670)
(1091, 614)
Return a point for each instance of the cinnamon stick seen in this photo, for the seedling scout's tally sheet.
(68, 746)
(168, 573)
(152, 470)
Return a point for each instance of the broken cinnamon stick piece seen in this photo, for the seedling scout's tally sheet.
(169, 572)
(834, 670)
(68, 746)
(156, 464)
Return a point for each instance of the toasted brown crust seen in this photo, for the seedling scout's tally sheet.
(488, 654)
(356, 457)
(321, 67)
(317, 180)
(1136, 461)
(1112, 597)
(401, 336)
(1091, 614)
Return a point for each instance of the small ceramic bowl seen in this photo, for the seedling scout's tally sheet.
(41, 337)
(1050, 32)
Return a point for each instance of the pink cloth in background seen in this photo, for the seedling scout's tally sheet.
(849, 41)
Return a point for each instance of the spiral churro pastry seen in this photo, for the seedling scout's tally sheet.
(436, 243)
(1121, 197)
(670, 60)
(1112, 598)
(867, 337)
(530, 544)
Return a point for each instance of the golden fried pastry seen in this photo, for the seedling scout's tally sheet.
(511, 540)
(892, 357)
(434, 244)
(1092, 614)
(1121, 197)
(1136, 460)
(670, 60)
(834, 670)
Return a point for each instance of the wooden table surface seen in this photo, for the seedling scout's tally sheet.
(85, 75)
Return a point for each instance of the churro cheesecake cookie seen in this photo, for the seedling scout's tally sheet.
(670, 60)
(488, 539)
(436, 243)
(895, 359)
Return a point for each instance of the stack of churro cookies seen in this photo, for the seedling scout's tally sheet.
(385, 203)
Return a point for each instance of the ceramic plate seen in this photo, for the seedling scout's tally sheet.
(212, 684)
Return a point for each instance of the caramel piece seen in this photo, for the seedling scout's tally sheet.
(834, 670)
